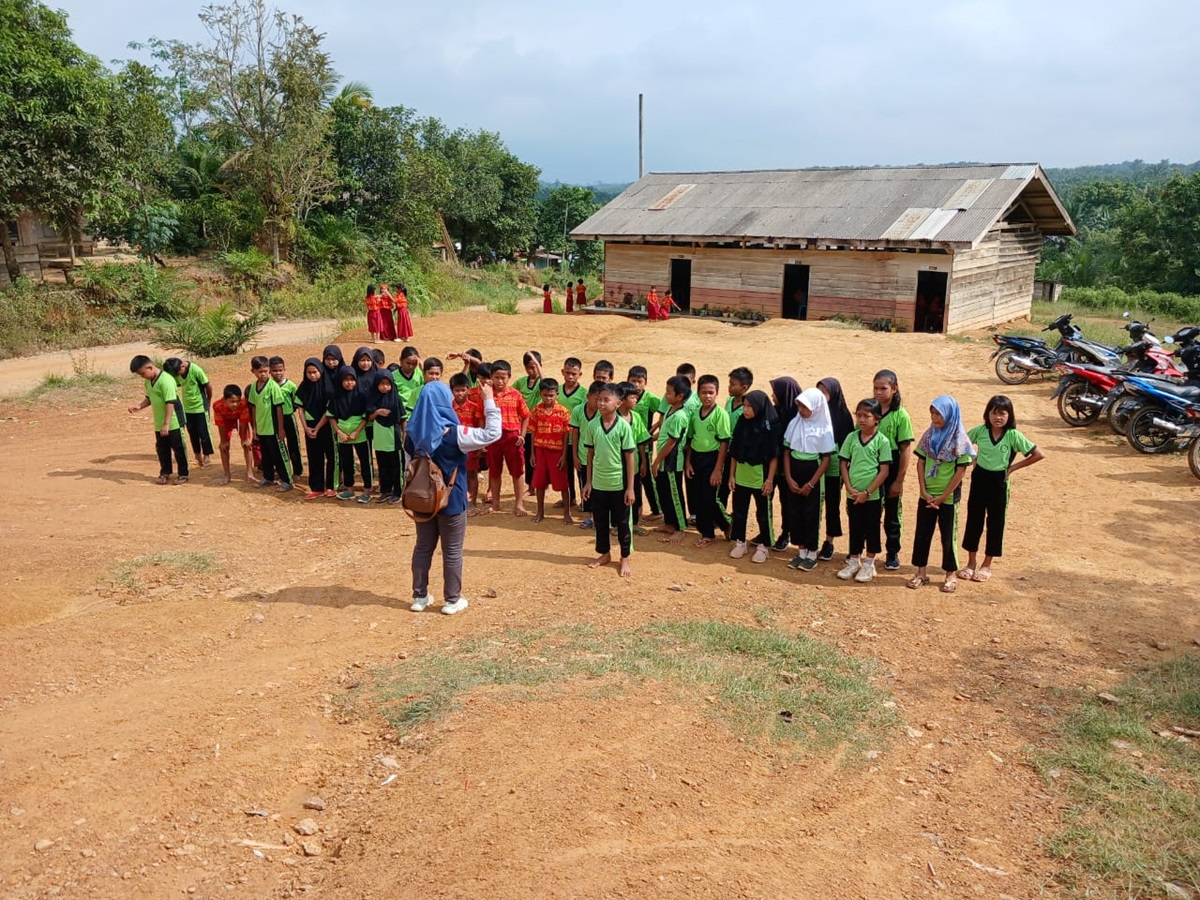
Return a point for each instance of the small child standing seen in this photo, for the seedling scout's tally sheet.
(652, 304)
(609, 485)
(162, 396)
(232, 416)
(708, 445)
(581, 295)
(529, 385)
(267, 401)
(547, 300)
(550, 425)
(740, 381)
(312, 415)
(843, 424)
(666, 305)
(374, 322)
(348, 409)
(409, 377)
(667, 468)
(865, 459)
(290, 432)
(386, 411)
(943, 454)
(470, 415)
(510, 449)
(999, 442)
(197, 394)
(582, 418)
(570, 296)
(896, 426)
(404, 325)
(808, 444)
(387, 317)
(642, 439)
(754, 461)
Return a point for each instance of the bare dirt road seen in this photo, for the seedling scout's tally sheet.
(150, 713)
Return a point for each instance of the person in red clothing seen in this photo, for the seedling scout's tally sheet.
(570, 296)
(404, 325)
(581, 294)
(547, 302)
(470, 414)
(652, 304)
(374, 322)
(232, 415)
(510, 449)
(387, 320)
(666, 305)
(550, 423)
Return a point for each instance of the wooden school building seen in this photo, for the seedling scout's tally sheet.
(930, 248)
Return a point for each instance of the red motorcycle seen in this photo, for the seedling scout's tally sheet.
(1086, 392)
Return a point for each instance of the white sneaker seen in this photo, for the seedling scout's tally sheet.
(761, 554)
(419, 603)
(738, 551)
(866, 572)
(853, 564)
(450, 607)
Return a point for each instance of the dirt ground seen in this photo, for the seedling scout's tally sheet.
(144, 716)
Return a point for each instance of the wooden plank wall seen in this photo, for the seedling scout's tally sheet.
(993, 283)
(865, 283)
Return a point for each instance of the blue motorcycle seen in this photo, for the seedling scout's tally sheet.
(1169, 414)
(1019, 357)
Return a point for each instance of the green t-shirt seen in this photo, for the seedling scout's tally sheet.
(581, 422)
(609, 446)
(288, 388)
(896, 426)
(674, 427)
(691, 403)
(264, 400)
(997, 456)
(640, 433)
(707, 433)
(647, 405)
(749, 475)
(935, 485)
(192, 386)
(385, 436)
(531, 390)
(348, 426)
(865, 459)
(570, 401)
(733, 412)
(163, 391)
(409, 388)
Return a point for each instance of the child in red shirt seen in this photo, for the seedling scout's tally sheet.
(652, 304)
(374, 319)
(232, 414)
(404, 325)
(550, 423)
(547, 301)
(510, 449)
(570, 296)
(387, 321)
(470, 415)
(664, 309)
(581, 295)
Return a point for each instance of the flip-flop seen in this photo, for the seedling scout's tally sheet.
(950, 586)
(966, 573)
(982, 575)
(918, 581)
(162, 479)
(182, 479)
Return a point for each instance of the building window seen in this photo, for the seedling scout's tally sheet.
(14, 233)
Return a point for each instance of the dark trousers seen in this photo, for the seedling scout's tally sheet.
(293, 445)
(786, 498)
(528, 460)
(644, 486)
(167, 446)
(988, 501)
(273, 464)
(608, 509)
(451, 532)
(570, 472)
(944, 519)
(389, 471)
(198, 434)
(833, 501)
(346, 454)
(741, 512)
(893, 517)
(584, 505)
(702, 496)
(723, 487)
(322, 460)
(804, 526)
(863, 519)
(669, 486)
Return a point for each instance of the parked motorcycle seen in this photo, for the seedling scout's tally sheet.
(1019, 357)
(1169, 414)
(1185, 343)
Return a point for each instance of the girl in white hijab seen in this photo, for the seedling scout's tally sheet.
(808, 447)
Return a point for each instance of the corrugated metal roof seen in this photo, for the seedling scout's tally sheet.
(940, 205)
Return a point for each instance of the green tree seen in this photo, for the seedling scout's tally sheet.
(1160, 237)
(563, 208)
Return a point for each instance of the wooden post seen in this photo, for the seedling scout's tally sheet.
(641, 135)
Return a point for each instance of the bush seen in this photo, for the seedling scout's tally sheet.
(1114, 300)
(249, 271)
(141, 291)
(34, 318)
(504, 305)
(219, 331)
(332, 295)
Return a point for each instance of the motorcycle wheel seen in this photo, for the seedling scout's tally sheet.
(1073, 412)
(1120, 412)
(1194, 456)
(1008, 373)
(1146, 437)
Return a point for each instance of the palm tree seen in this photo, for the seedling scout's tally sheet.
(355, 93)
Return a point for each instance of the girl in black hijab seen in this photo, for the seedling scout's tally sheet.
(386, 412)
(786, 391)
(348, 406)
(332, 361)
(843, 427)
(312, 396)
(754, 458)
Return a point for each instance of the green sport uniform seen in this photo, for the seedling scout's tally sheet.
(163, 391)
(570, 401)
(674, 427)
(385, 436)
(997, 456)
(640, 434)
(288, 388)
(896, 426)
(409, 388)
(581, 422)
(192, 384)
(609, 446)
(349, 425)
(734, 412)
(935, 485)
(530, 390)
(265, 400)
(865, 459)
(707, 433)
(648, 404)
(690, 404)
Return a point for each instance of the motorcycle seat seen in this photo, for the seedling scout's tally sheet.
(1189, 393)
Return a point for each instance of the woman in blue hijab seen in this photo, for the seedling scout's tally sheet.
(434, 431)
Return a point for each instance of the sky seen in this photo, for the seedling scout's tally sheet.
(755, 85)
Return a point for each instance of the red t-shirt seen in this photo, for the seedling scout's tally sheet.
(470, 412)
(228, 419)
(513, 409)
(581, 294)
(549, 426)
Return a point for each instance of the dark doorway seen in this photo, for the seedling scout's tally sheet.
(795, 292)
(681, 283)
(930, 313)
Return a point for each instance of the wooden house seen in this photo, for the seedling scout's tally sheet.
(929, 248)
(39, 246)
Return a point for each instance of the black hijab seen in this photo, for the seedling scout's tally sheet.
(314, 395)
(786, 390)
(757, 440)
(390, 401)
(335, 351)
(346, 404)
(366, 379)
(839, 412)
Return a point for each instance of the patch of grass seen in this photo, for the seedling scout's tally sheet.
(1133, 823)
(188, 561)
(85, 383)
(1104, 326)
(506, 306)
(34, 318)
(754, 674)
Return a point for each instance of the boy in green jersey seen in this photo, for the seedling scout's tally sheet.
(866, 457)
(266, 401)
(646, 409)
(163, 397)
(290, 433)
(708, 445)
(896, 426)
(641, 438)
(530, 386)
(197, 394)
(582, 417)
(740, 381)
(571, 394)
(667, 468)
(611, 456)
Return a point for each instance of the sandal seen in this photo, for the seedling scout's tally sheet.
(182, 479)
(162, 479)
(950, 586)
(918, 581)
(982, 575)
(966, 573)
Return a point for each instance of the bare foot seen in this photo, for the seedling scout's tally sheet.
(520, 512)
(251, 479)
(675, 538)
(704, 542)
(626, 569)
(599, 561)
(539, 517)
(665, 529)
(226, 480)
(653, 516)
(567, 520)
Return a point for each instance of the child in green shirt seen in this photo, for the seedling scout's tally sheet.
(641, 438)
(866, 457)
(753, 460)
(943, 454)
(163, 397)
(290, 433)
(611, 455)
(708, 445)
(582, 417)
(645, 408)
(896, 426)
(197, 395)
(267, 401)
(667, 467)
